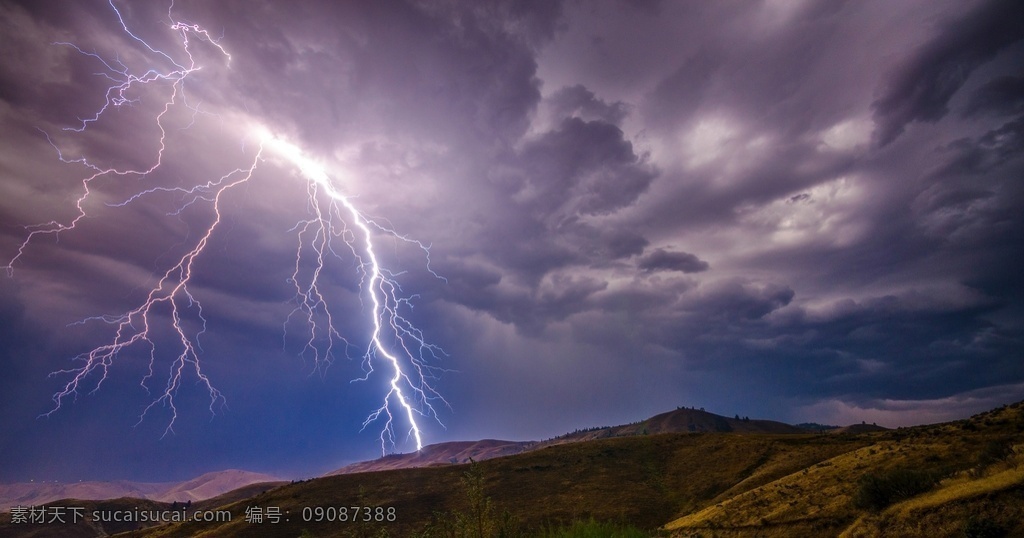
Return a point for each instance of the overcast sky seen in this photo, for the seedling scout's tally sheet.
(803, 211)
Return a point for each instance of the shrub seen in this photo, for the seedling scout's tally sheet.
(481, 520)
(996, 451)
(878, 490)
(983, 528)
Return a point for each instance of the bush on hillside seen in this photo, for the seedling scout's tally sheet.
(878, 490)
(983, 528)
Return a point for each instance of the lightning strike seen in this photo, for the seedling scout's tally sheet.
(384, 293)
(393, 344)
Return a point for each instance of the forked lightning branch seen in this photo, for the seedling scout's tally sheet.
(394, 354)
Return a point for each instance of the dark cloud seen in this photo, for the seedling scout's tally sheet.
(553, 188)
(1002, 95)
(579, 101)
(623, 243)
(920, 89)
(741, 299)
(582, 167)
(532, 310)
(938, 339)
(663, 260)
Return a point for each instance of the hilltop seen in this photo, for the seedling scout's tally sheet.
(681, 420)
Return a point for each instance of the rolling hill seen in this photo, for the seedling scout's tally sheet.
(682, 420)
(197, 489)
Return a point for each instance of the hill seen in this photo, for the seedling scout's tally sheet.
(211, 485)
(440, 454)
(646, 480)
(966, 478)
(37, 493)
(860, 428)
(682, 420)
(961, 478)
(203, 487)
(700, 421)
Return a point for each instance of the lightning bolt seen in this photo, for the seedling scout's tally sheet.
(395, 347)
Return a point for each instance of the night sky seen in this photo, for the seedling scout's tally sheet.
(802, 211)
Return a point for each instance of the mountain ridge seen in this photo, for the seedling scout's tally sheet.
(202, 487)
(680, 420)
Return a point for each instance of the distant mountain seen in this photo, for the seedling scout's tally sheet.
(682, 420)
(200, 488)
(853, 428)
(37, 493)
(211, 485)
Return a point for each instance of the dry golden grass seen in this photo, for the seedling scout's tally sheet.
(819, 499)
(945, 510)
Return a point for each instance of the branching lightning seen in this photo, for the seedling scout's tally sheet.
(395, 347)
(409, 369)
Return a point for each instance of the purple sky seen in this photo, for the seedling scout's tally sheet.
(804, 211)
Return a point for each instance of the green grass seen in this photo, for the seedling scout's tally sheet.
(594, 529)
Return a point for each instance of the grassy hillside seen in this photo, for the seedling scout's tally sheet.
(642, 480)
(958, 479)
(964, 478)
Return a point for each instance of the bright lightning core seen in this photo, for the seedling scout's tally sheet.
(334, 227)
(394, 341)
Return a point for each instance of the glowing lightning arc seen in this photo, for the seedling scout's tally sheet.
(381, 290)
(394, 340)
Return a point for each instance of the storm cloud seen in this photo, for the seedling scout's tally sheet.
(789, 210)
(663, 260)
